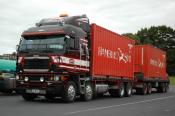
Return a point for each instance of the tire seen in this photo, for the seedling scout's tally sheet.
(143, 90)
(149, 88)
(161, 88)
(166, 87)
(29, 97)
(88, 92)
(118, 92)
(49, 97)
(69, 92)
(128, 90)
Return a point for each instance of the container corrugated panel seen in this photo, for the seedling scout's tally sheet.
(111, 54)
(150, 61)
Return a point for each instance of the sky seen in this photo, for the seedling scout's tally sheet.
(120, 16)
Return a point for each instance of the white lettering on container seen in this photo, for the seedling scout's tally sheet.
(117, 55)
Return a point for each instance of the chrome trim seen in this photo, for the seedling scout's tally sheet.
(36, 70)
(38, 57)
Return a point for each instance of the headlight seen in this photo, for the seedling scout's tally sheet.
(56, 78)
(26, 79)
(41, 79)
(17, 77)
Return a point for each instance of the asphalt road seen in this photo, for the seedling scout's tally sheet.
(156, 104)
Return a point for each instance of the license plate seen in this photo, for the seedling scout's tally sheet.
(36, 91)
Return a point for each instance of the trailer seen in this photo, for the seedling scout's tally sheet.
(7, 76)
(150, 69)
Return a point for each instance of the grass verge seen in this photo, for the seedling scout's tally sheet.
(172, 80)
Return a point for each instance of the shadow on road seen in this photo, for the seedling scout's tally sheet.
(8, 94)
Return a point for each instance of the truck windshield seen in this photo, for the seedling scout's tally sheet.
(53, 44)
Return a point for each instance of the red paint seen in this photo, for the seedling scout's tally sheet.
(107, 49)
(150, 61)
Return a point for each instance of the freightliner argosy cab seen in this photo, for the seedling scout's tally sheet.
(49, 53)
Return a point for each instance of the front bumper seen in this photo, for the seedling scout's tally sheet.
(40, 88)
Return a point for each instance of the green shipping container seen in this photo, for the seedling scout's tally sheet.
(7, 65)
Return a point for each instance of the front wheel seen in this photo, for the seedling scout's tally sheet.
(69, 92)
(88, 95)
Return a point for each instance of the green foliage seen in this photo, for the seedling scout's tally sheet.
(171, 61)
(162, 37)
(132, 36)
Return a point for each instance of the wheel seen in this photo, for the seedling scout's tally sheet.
(166, 87)
(69, 92)
(161, 88)
(49, 97)
(29, 97)
(149, 90)
(117, 92)
(128, 90)
(143, 90)
(88, 92)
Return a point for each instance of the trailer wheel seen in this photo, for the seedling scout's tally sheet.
(118, 92)
(166, 87)
(149, 90)
(143, 90)
(161, 88)
(121, 91)
(88, 95)
(128, 90)
(29, 97)
(69, 92)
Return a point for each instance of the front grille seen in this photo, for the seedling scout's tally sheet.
(37, 78)
(36, 63)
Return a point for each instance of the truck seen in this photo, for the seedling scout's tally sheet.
(150, 70)
(7, 76)
(68, 57)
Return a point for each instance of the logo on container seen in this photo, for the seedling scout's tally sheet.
(157, 63)
(117, 55)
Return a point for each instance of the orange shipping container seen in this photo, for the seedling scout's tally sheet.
(112, 55)
(150, 61)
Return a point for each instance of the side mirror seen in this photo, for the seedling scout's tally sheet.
(67, 40)
(17, 47)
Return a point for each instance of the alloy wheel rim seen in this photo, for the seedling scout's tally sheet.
(71, 92)
(88, 92)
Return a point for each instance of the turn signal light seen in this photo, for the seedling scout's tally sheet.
(63, 78)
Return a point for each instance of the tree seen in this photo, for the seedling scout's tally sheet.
(162, 37)
(133, 36)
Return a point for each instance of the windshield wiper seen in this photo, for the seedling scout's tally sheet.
(46, 50)
(23, 51)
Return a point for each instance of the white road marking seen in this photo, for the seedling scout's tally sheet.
(112, 106)
(168, 110)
